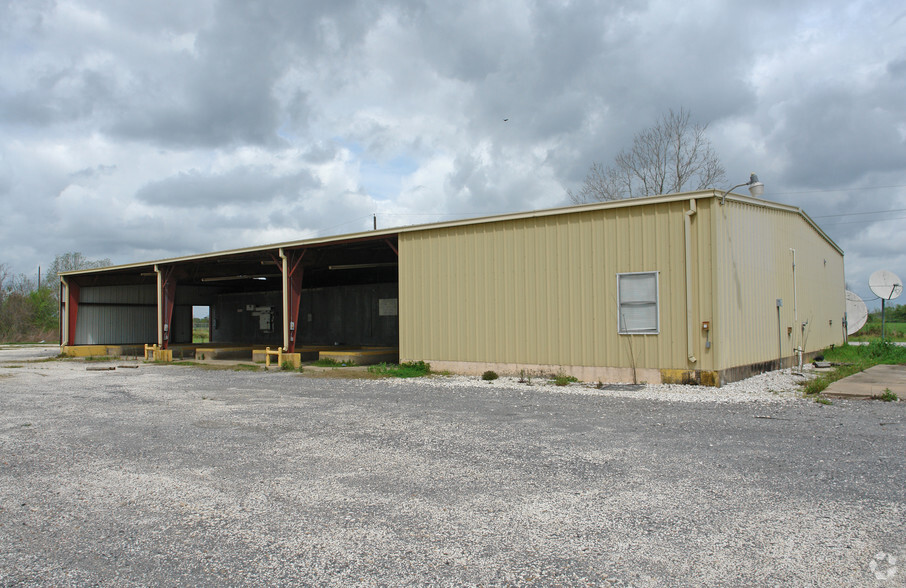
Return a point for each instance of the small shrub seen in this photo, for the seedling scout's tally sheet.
(562, 379)
(489, 375)
(888, 396)
(287, 366)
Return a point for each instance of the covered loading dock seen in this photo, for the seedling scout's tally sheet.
(694, 288)
(301, 297)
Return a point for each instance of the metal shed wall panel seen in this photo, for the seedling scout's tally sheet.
(133, 294)
(117, 315)
(756, 269)
(116, 325)
(542, 290)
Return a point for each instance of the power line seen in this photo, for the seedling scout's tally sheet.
(825, 191)
(855, 213)
(873, 220)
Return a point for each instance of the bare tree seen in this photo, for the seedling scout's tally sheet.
(672, 156)
(74, 260)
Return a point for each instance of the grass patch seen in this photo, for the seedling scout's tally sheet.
(242, 367)
(100, 358)
(893, 331)
(411, 369)
(823, 400)
(245, 367)
(855, 359)
(330, 362)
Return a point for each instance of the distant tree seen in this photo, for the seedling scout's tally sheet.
(30, 313)
(672, 156)
(73, 261)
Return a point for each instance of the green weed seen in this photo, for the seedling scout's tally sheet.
(411, 369)
(489, 375)
(330, 362)
(888, 396)
(562, 379)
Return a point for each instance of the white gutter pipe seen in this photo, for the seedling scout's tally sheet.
(798, 348)
(690, 328)
(160, 307)
(285, 262)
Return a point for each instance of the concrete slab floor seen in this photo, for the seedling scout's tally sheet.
(870, 383)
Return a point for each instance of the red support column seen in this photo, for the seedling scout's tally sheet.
(72, 309)
(168, 291)
(294, 283)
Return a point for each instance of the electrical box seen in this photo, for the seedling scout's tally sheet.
(779, 302)
(706, 325)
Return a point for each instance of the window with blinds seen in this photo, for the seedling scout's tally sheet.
(637, 294)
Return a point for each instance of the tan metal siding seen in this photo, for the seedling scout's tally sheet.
(542, 290)
(756, 268)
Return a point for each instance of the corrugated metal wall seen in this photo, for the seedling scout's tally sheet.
(543, 290)
(349, 315)
(117, 315)
(756, 268)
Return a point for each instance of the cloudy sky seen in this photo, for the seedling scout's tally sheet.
(144, 130)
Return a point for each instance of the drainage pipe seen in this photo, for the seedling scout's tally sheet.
(160, 307)
(285, 270)
(690, 328)
(798, 347)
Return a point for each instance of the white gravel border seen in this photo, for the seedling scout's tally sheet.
(776, 386)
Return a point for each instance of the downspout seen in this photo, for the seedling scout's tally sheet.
(798, 348)
(690, 328)
(285, 262)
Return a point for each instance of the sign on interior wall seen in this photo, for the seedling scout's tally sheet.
(387, 307)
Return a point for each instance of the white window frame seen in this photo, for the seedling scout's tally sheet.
(656, 302)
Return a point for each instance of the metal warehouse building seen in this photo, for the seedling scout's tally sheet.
(680, 288)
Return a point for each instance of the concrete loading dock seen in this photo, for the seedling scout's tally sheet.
(338, 295)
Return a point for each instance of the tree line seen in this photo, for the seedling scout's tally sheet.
(29, 310)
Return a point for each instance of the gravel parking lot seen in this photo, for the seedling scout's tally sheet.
(169, 475)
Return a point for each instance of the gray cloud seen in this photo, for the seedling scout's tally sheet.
(170, 128)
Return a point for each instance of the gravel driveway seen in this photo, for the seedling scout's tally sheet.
(168, 475)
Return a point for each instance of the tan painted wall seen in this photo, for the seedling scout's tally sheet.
(756, 268)
(542, 291)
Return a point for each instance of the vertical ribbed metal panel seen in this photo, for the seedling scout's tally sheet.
(542, 290)
(115, 325)
(756, 269)
(117, 315)
(132, 294)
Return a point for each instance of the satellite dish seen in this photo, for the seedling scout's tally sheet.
(856, 313)
(885, 284)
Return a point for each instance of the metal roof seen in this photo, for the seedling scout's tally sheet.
(379, 234)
